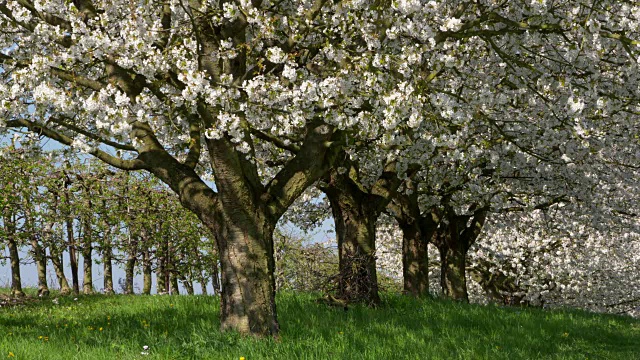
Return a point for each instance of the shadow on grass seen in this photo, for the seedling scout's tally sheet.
(187, 327)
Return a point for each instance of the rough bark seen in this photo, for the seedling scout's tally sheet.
(355, 219)
(415, 259)
(245, 243)
(453, 240)
(355, 223)
(453, 262)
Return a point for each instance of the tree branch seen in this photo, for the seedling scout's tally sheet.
(312, 160)
(63, 139)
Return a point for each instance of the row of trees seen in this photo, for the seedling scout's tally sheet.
(440, 113)
(55, 204)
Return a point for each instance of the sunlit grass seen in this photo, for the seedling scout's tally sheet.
(186, 327)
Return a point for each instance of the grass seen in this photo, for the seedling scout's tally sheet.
(186, 327)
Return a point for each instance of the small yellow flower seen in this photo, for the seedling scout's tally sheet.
(100, 329)
(565, 334)
(10, 354)
(242, 358)
(40, 337)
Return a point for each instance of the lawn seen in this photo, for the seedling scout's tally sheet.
(186, 327)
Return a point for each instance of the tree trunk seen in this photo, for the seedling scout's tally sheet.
(107, 264)
(58, 265)
(87, 261)
(129, 273)
(147, 272)
(16, 280)
(173, 285)
(415, 259)
(355, 221)
(73, 257)
(215, 278)
(41, 266)
(203, 284)
(188, 286)
(244, 236)
(161, 284)
(453, 241)
(453, 275)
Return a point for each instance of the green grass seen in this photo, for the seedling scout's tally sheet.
(186, 327)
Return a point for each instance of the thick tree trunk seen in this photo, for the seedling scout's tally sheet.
(453, 241)
(41, 266)
(245, 243)
(453, 271)
(107, 259)
(415, 259)
(147, 272)
(14, 258)
(355, 221)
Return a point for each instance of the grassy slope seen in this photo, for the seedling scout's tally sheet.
(185, 327)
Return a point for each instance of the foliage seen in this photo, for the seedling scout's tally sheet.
(304, 266)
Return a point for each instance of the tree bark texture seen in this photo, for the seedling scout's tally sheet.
(355, 221)
(415, 259)
(453, 240)
(245, 244)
